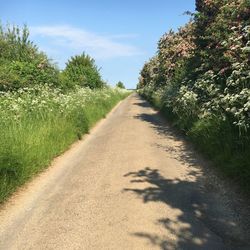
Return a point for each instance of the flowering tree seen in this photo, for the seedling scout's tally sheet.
(210, 56)
(201, 75)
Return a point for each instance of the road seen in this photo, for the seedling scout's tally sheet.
(132, 183)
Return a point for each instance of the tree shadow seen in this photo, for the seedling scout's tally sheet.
(203, 223)
(159, 123)
(180, 148)
(143, 104)
(214, 214)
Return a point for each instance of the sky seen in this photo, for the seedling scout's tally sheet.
(120, 35)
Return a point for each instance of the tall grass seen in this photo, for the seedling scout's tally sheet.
(40, 123)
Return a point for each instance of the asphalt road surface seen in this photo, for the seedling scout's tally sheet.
(132, 183)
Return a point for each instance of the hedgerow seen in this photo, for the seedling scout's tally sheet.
(200, 77)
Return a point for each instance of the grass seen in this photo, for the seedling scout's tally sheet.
(40, 124)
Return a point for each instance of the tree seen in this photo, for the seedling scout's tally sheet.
(120, 85)
(81, 70)
(21, 63)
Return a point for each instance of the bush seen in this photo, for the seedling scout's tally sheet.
(17, 74)
(120, 85)
(21, 64)
(81, 71)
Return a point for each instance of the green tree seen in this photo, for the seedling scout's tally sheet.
(120, 85)
(81, 70)
(21, 63)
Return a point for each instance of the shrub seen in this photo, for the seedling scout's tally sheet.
(81, 71)
(120, 85)
(21, 64)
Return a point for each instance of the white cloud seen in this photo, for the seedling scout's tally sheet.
(78, 40)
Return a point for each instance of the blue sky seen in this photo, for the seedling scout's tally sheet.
(119, 35)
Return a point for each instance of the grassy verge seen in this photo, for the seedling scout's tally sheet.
(40, 123)
(218, 140)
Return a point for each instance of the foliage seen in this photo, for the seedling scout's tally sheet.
(21, 64)
(201, 75)
(37, 123)
(15, 44)
(81, 70)
(149, 73)
(120, 85)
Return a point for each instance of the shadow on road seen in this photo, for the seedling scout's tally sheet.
(201, 223)
(180, 149)
(206, 218)
(143, 104)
